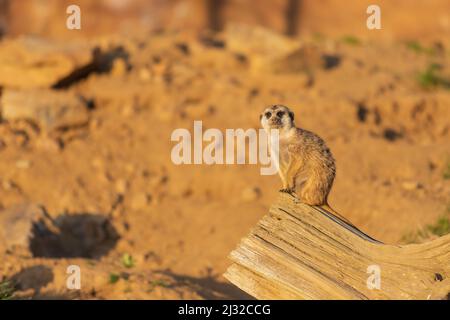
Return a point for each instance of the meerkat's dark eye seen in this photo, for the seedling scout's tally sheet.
(280, 114)
(268, 114)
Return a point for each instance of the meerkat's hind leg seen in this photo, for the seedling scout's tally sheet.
(312, 192)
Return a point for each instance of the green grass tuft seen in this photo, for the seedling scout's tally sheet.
(351, 40)
(127, 260)
(446, 173)
(319, 37)
(440, 228)
(414, 237)
(113, 278)
(430, 78)
(6, 290)
(418, 48)
(159, 283)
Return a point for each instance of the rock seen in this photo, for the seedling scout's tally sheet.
(251, 194)
(7, 185)
(119, 68)
(139, 201)
(47, 108)
(121, 186)
(130, 168)
(144, 74)
(34, 277)
(261, 46)
(128, 109)
(48, 144)
(411, 185)
(16, 225)
(259, 41)
(98, 163)
(31, 62)
(197, 111)
(308, 58)
(27, 229)
(23, 164)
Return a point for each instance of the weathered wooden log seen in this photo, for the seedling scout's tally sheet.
(301, 252)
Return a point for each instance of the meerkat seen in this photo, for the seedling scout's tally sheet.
(306, 166)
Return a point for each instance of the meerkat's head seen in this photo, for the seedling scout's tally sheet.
(277, 117)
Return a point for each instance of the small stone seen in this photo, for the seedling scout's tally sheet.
(116, 213)
(128, 110)
(411, 185)
(48, 144)
(94, 124)
(139, 200)
(97, 163)
(199, 110)
(23, 164)
(130, 168)
(7, 185)
(119, 68)
(121, 186)
(47, 108)
(144, 74)
(251, 194)
(187, 193)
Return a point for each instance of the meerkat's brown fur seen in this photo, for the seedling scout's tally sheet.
(306, 165)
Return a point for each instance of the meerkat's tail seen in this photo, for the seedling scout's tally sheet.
(326, 209)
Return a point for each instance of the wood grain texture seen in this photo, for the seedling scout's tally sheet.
(301, 252)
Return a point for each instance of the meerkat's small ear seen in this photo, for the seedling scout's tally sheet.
(260, 117)
(291, 115)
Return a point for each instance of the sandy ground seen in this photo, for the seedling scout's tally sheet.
(389, 135)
